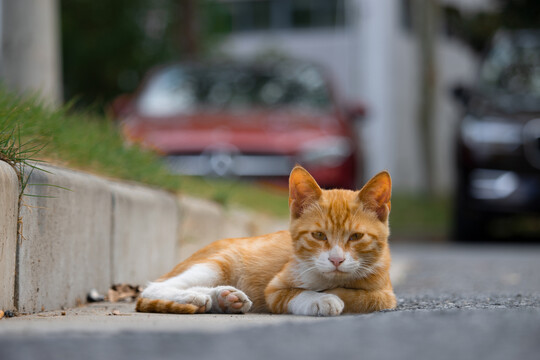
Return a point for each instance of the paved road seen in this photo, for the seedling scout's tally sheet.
(467, 302)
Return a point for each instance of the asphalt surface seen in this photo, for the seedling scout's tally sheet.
(466, 302)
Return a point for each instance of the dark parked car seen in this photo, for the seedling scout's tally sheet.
(253, 120)
(498, 147)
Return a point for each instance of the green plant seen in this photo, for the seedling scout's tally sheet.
(419, 217)
(18, 154)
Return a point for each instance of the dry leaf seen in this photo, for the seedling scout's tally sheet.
(124, 293)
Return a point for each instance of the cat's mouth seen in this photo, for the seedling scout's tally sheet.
(336, 272)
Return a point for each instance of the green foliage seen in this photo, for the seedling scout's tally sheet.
(264, 198)
(108, 45)
(519, 14)
(32, 132)
(417, 217)
(478, 28)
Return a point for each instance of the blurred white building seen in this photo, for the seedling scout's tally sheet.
(372, 53)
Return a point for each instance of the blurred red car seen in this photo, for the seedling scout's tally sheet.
(244, 120)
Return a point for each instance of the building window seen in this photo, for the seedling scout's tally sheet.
(225, 16)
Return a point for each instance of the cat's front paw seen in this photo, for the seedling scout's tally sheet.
(327, 305)
(316, 304)
(228, 299)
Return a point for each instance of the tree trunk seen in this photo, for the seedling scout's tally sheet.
(189, 28)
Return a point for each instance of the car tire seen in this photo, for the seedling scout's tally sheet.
(470, 225)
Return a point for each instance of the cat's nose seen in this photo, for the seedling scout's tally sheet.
(336, 260)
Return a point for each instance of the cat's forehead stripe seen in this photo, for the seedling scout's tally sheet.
(337, 204)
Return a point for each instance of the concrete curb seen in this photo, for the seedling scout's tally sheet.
(80, 231)
(204, 221)
(9, 197)
(144, 233)
(65, 248)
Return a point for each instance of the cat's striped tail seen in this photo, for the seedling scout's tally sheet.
(166, 306)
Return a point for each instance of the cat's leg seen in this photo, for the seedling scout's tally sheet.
(163, 296)
(363, 301)
(196, 288)
(281, 297)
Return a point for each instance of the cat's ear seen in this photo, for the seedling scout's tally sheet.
(375, 195)
(303, 190)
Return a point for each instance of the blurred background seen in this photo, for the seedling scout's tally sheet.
(445, 94)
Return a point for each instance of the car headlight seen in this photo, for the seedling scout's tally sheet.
(327, 151)
(491, 131)
(489, 184)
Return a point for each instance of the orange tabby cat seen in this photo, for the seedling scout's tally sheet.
(334, 259)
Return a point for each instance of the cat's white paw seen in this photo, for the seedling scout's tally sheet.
(201, 300)
(316, 304)
(327, 305)
(228, 299)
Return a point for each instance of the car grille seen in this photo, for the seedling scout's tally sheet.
(226, 164)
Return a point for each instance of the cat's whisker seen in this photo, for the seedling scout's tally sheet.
(311, 268)
(364, 270)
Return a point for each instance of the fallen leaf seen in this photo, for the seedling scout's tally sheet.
(123, 293)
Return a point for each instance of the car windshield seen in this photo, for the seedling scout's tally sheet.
(512, 66)
(182, 89)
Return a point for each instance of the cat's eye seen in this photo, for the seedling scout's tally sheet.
(317, 235)
(356, 236)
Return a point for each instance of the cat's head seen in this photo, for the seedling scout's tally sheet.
(340, 233)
